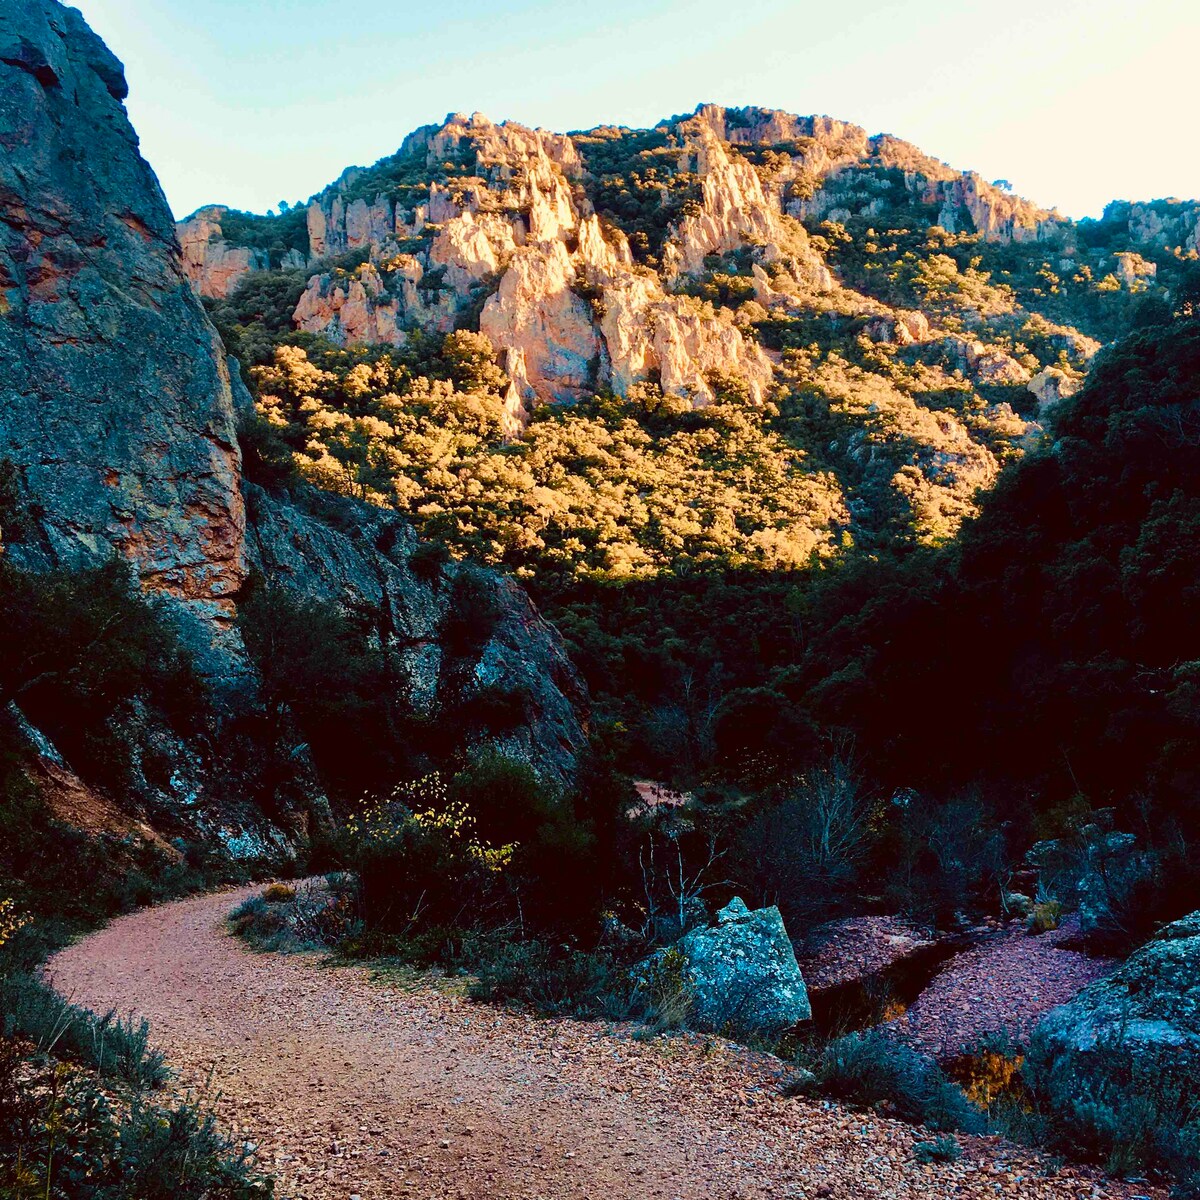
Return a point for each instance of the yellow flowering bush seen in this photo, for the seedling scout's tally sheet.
(383, 820)
(420, 859)
(10, 919)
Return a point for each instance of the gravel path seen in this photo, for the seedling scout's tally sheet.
(1001, 986)
(358, 1087)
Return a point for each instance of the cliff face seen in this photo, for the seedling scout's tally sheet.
(114, 389)
(118, 411)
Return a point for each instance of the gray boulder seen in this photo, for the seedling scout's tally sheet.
(1150, 1002)
(745, 974)
(1124, 1054)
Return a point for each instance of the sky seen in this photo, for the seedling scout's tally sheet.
(249, 102)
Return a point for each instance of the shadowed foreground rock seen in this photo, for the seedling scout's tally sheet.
(1125, 1052)
(1151, 1003)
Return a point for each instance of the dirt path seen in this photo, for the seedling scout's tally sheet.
(356, 1088)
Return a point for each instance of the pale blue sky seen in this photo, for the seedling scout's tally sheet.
(247, 102)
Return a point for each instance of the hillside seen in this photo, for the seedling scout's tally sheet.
(660, 374)
(858, 325)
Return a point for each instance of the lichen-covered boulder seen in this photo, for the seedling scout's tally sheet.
(744, 973)
(1151, 1001)
(1128, 1046)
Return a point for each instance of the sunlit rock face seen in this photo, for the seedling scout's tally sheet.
(212, 265)
(494, 226)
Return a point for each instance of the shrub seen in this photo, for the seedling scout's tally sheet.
(664, 993)
(558, 980)
(420, 862)
(808, 845)
(427, 559)
(267, 459)
(474, 611)
(117, 1048)
(1046, 916)
(945, 857)
(94, 664)
(941, 1149)
(11, 921)
(179, 1154)
(873, 1070)
(324, 685)
(60, 1139)
(554, 858)
(552, 980)
(314, 916)
(260, 924)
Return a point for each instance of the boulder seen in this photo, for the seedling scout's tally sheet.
(1138, 1024)
(744, 972)
(1051, 384)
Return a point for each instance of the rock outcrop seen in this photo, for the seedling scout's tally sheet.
(743, 973)
(212, 265)
(119, 413)
(1161, 224)
(1152, 1000)
(1096, 1054)
(495, 224)
(335, 549)
(1052, 384)
(114, 390)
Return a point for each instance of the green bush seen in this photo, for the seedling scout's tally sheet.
(93, 662)
(61, 1139)
(1046, 916)
(552, 980)
(553, 869)
(264, 926)
(557, 980)
(179, 1154)
(117, 1048)
(942, 1149)
(267, 459)
(874, 1070)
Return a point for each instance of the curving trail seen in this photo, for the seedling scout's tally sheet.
(353, 1086)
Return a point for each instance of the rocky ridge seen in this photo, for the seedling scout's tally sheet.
(470, 213)
(744, 256)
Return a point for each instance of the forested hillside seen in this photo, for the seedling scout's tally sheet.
(672, 378)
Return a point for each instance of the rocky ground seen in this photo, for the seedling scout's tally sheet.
(354, 1085)
(1000, 986)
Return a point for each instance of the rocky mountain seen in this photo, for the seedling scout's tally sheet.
(119, 417)
(898, 327)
